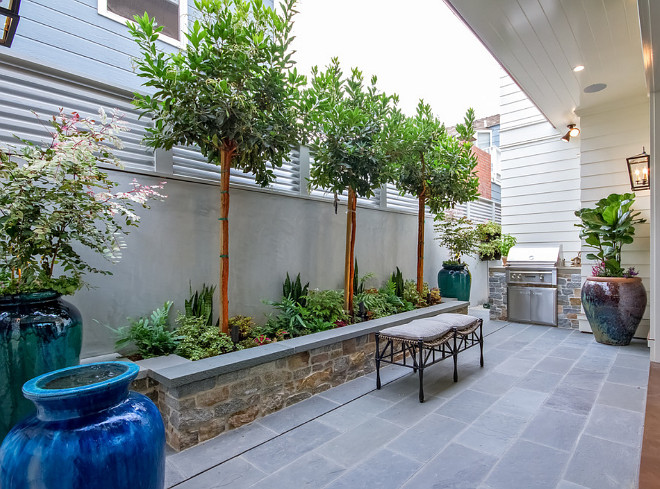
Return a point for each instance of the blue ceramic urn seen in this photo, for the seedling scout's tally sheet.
(89, 432)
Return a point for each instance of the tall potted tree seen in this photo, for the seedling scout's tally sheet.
(614, 299)
(233, 93)
(54, 202)
(349, 123)
(433, 168)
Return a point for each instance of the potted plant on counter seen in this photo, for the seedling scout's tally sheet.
(54, 202)
(506, 242)
(614, 299)
(459, 236)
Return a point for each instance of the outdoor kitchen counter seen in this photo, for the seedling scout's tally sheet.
(559, 269)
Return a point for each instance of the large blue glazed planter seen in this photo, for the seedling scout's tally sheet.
(614, 307)
(89, 432)
(455, 281)
(39, 333)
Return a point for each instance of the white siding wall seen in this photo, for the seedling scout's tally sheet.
(609, 136)
(540, 175)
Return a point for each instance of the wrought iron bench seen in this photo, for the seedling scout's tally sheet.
(428, 341)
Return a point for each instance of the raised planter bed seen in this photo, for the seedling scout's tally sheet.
(199, 400)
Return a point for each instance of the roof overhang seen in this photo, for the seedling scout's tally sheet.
(540, 42)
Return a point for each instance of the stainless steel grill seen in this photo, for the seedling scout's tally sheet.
(532, 284)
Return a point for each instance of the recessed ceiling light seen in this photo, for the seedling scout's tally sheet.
(578, 68)
(596, 87)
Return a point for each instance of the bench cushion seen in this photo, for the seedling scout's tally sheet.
(430, 329)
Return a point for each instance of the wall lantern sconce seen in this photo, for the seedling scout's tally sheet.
(573, 132)
(8, 20)
(639, 170)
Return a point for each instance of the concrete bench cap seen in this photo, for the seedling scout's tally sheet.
(430, 329)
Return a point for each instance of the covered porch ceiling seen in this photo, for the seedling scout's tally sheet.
(540, 42)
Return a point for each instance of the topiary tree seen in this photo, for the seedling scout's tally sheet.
(349, 123)
(435, 167)
(233, 93)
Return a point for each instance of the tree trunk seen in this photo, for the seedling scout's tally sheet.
(420, 241)
(349, 264)
(421, 214)
(226, 155)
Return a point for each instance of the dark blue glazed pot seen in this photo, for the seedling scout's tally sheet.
(455, 281)
(39, 333)
(89, 432)
(614, 307)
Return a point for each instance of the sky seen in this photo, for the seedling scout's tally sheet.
(418, 49)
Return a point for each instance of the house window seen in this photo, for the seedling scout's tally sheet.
(483, 139)
(170, 14)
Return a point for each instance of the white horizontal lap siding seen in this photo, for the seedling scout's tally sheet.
(25, 90)
(608, 138)
(540, 175)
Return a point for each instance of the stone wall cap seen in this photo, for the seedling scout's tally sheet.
(184, 373)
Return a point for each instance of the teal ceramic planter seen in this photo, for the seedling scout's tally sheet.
(455, 281)
(89, 432)
(39, 333)
(614, 307)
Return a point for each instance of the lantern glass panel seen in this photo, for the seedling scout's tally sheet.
(638, 167)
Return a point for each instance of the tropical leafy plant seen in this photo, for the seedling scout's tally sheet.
(200, 303)
(294, 290)
(435, 167)
(55, 201)
(457, 234)
(290, 317)
(150, 336)
(200, 340)
(232, 92)
(349, 123)
(607, 227)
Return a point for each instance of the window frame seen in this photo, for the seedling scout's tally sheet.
(183, 22)
(490, 138)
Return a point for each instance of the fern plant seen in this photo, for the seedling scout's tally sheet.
(200, 304)
(151, 336)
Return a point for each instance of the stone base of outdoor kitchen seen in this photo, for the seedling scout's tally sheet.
(199, 400)
(569, 285)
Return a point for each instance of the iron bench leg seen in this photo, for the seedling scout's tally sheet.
(420, 345)
(481, 342)
(378, 361)
(455, 355)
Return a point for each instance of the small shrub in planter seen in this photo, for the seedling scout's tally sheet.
(200, 340)
(149, 336)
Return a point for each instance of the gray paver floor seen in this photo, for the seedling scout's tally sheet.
(550, 409)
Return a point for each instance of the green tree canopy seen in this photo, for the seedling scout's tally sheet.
(233, 92)
(349, 123)
(234, 86)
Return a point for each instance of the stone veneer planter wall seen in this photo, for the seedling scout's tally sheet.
(569, 304)
(199, 400)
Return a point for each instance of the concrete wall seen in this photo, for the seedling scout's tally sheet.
(270, 234)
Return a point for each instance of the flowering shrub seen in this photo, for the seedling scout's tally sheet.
(601, 270)
(55, 201)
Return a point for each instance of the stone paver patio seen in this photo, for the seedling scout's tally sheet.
(550, 409)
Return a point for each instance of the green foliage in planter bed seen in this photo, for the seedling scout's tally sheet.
(149, 336)
(199, 340)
